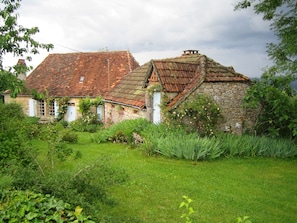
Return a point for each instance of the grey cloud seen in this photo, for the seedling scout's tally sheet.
(155, 27)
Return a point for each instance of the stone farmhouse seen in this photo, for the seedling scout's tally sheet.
(140, 93)
(73, 75)
(131, 91)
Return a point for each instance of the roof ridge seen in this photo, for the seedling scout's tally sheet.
(92, 52)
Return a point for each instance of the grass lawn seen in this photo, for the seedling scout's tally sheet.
(222, 190)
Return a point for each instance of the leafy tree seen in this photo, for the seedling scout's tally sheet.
(283, 17)
(273, 95)
(275, 101)
(17, 40)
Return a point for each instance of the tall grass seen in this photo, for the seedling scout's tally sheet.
(177, 143)
(234, 145)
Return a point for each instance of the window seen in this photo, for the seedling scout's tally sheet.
(51, 108)
(81, 79)
(40, 108)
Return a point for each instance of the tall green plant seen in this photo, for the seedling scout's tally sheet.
(188, 209)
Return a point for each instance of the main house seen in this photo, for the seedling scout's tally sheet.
(140, 93)
(131, 91)
(73, 76)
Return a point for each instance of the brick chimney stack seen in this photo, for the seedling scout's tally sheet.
(22, 76)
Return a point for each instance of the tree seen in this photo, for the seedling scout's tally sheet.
(272, 95)
(275, 101)
(17, 40)
(283, 17)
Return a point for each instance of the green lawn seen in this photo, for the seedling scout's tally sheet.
(222, 190)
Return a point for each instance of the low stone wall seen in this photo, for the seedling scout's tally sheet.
(22, 100)
(116, 113)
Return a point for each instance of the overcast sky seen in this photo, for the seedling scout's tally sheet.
(152, 29)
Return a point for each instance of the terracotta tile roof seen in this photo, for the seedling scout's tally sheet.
(130, 90)
(81, 74)
(174, 76)
(208, 71)
(180, 75)
(217, 72)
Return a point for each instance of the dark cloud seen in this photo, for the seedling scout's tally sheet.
(153, 29)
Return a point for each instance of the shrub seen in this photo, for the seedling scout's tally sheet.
(14, 135)
(26, 206)
(199, 114)
(69, 136)
(88, 187)
(122, 131)
(85, 125)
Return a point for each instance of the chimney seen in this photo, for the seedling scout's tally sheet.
(22, 62)
(189, 52)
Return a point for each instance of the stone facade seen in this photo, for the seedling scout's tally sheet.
(22, 100)
(229, 96)
(114, 113)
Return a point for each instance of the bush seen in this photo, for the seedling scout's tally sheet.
(14, 135)
(121, 132)
(26, 206)
(69, 136)
(199, 114)
(81, 125)
(88, 187)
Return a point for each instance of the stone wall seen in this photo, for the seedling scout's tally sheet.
(114, 113)
(229, 96)
(22, 100)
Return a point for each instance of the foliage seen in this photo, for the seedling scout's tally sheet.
(222, 189)
(58, 150)
(251, 146)
(36, 95)
(273, 92)
(62, 109)
(86, 124)
(177, 143)
(121, 132)
(26, 206)
(89, 121)
(276, 102)
(14, 134)
(283, 17)
(17, 40)
(69, 136)
(186, 204)
(245, 219)
(199, 114)
(87, 187)
(86, 103)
